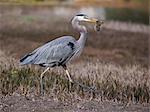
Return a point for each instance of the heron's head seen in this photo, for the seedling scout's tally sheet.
(84, 18)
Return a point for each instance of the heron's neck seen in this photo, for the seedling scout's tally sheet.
(83, 33)
(83, 38)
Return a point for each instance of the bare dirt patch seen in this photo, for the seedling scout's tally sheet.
(18, 103)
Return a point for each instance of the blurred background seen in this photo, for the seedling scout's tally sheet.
(123, 39)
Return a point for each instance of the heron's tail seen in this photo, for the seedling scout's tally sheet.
(27, 59)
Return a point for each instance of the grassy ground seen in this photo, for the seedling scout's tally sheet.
(115, 88)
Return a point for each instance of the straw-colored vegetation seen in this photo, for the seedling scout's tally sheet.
(109, 81)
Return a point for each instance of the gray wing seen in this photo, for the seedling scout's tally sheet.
(53, 53)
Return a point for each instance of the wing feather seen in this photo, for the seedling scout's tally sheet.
(56, 51)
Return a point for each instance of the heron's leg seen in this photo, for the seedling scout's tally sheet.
(41, 80)
(68, 76)
(66, 70)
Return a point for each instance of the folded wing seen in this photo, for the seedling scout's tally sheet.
(53, 53)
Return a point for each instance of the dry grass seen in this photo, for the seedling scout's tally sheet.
(123, 84)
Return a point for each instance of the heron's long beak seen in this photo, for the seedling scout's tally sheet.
(93, 20)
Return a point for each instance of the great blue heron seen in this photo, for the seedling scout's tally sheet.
(61, 50)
